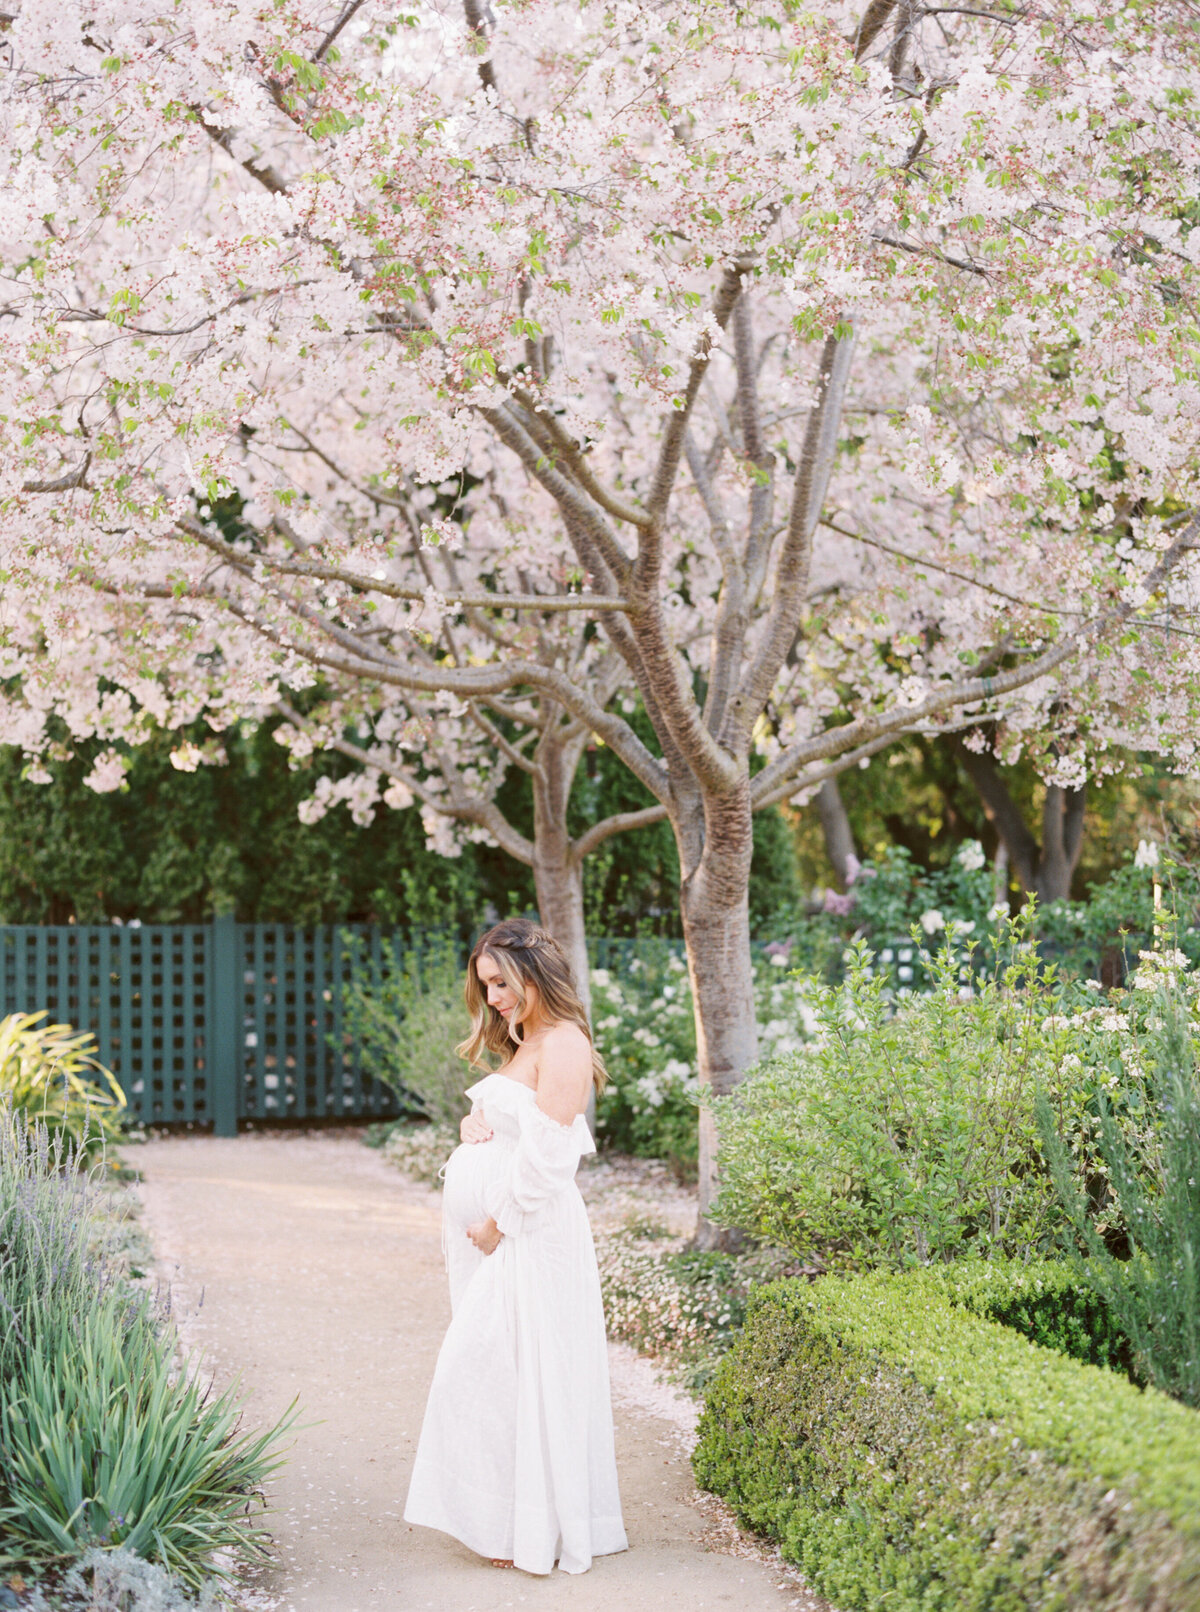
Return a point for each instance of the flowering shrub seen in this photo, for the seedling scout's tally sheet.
(645, 1030)
(681, 1306)
(1132, 1187)
(418, 1150)
(889, 898)
(1105, 933)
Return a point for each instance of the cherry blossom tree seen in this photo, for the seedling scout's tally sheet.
(833, 369)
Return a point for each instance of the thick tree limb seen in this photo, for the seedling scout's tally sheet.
(1024, 853)
(575, 505)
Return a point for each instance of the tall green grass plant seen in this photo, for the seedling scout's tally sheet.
(107, 1438)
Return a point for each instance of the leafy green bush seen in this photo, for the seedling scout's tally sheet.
(1047, 1301)
(1146, 1157)
(905, 1133)
(105, 1438)
(906, 1453)
(50, 1073)
(407, 1018)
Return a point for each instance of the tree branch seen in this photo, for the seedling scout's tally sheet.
(348, 12)
(473, 809)
(795, 558)
(619, 823)
(970, 691)
(319, 570)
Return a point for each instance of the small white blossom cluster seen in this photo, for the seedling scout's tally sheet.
(421, 1150)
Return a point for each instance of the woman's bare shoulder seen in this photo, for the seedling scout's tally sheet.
(565, 1046)
(564, 1071)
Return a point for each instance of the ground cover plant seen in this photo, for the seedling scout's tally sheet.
(684, 1307)
(117, 1580)
(106, 1437)
(419, 1149)
(906, 1452)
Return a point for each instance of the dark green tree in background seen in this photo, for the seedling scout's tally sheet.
(174, 846)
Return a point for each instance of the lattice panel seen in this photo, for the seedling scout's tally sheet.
(204, 1022)
(297, 1059)
(140, 991)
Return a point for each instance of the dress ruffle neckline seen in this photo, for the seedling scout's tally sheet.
(497, 1081)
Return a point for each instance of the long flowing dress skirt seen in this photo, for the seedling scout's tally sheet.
(516, 1454)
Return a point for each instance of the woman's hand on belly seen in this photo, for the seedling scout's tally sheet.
(474, 1127)
(485, 1234)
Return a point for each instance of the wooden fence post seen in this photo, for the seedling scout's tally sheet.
(225, 1030)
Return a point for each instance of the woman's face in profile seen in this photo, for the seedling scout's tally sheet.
(500, 995)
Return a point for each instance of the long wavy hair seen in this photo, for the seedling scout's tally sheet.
(525, 955)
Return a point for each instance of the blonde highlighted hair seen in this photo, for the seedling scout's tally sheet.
(525, 955)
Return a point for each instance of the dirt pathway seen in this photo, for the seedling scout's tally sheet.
(313, 1269)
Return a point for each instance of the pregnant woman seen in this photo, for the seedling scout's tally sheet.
(516, 1451)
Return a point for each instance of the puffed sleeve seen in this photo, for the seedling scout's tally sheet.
(544, 1162)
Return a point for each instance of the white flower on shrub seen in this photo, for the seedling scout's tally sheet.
(1000, 910)
(970, 856)
(601, 977)
(107, 774)
(650, 1090)
(932, 921)
(1146, 855)
(187, 757)
(963, 926)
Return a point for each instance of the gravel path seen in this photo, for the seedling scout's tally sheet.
(309, 1267)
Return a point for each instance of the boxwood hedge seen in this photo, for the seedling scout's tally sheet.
(909, 1453)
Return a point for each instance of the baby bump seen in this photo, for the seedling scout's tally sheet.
(471, 1171)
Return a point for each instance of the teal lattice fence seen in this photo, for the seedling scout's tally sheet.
(205, 1024)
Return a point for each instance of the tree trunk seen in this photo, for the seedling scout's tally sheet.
(557, 871)
(839, 836)
(1062, 841)
(559, 885)
(1046, 870)
(715, 841)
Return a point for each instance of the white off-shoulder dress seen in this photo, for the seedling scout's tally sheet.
(516, 1454)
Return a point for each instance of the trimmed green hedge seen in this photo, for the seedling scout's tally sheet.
(1044, 1300)
(909, 1454)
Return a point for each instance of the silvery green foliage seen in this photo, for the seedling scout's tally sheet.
(407, 1020)
(120, 1581)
